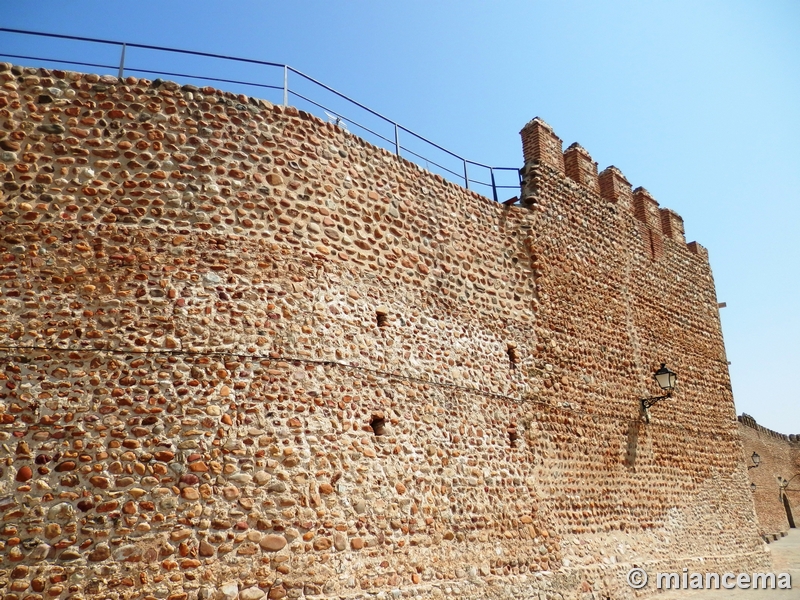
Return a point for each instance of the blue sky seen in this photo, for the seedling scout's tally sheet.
(697, 101)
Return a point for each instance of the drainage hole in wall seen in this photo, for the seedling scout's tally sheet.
(382, 318)
(513, 357)
(378, 425)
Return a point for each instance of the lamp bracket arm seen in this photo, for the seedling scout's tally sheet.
(648, 402)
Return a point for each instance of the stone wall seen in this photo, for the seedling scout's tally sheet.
(777, 476)
(246, 353)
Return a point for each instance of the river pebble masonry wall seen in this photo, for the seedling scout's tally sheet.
(247, 354)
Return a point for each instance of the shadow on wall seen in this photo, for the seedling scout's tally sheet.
(633, 445)
(788, 508)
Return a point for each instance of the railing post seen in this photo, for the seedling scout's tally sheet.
(122, 62)
(466, 177)
(396, 139)
(494, 187)
(286, 85)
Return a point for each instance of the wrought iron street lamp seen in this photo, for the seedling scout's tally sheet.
(756, 460)
(666, 380)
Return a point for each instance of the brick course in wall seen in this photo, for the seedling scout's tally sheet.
(777, 477)
(245, 353)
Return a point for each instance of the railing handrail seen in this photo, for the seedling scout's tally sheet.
(287, 68)
(143, 46)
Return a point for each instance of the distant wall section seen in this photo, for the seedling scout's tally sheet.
(777, 477)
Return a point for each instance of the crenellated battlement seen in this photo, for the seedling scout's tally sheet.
(542, 146)
(749, 421)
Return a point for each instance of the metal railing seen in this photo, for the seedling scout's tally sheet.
(415, 147)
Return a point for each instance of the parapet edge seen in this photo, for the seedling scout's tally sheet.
(749, 421)
(253, 102)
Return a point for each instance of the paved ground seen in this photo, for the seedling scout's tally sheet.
(785, 559)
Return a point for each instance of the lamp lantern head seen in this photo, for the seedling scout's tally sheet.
(665, 378)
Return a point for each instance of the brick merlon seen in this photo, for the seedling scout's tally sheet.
(614, 186)
(580, 167)
(540, 144)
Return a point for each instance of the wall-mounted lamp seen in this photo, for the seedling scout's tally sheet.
(752, 487)
(756, 460)
(784, 483)
(666, 380)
